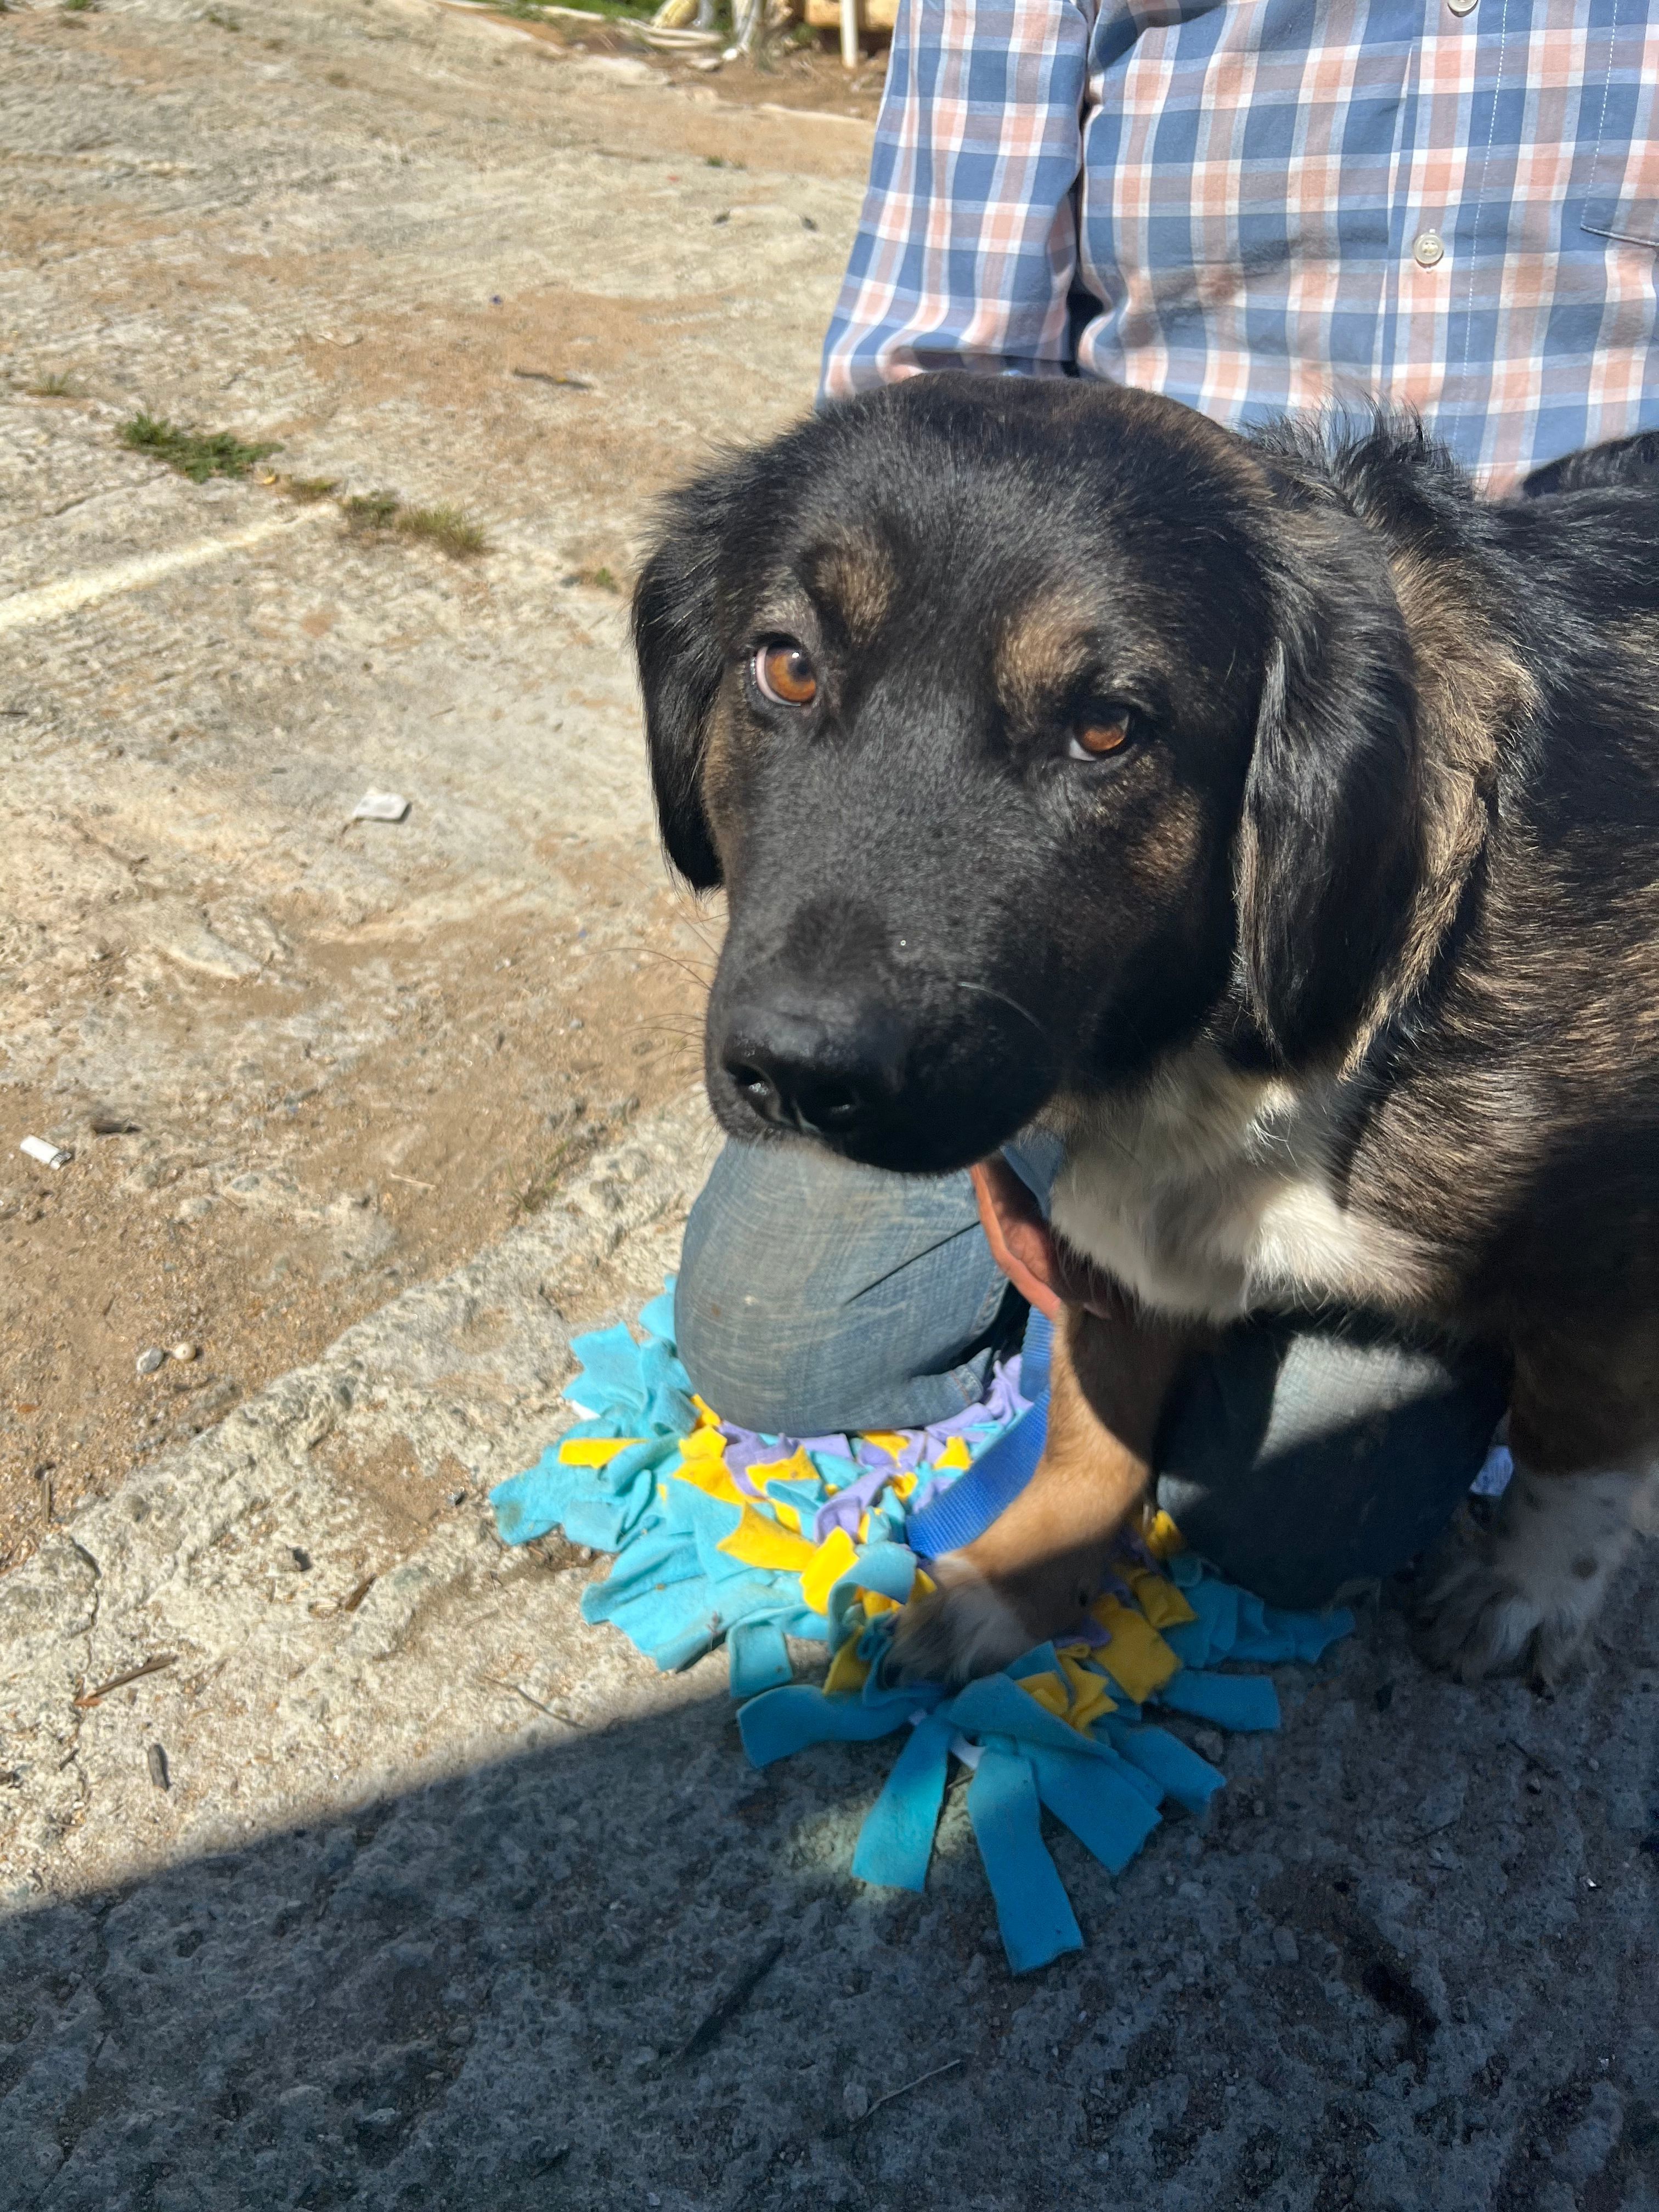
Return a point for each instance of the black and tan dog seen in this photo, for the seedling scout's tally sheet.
(1269, 816)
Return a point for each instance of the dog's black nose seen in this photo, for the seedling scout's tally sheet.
(828, 1077)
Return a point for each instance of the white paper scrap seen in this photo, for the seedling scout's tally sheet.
(381, 806)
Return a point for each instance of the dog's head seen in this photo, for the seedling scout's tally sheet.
(1031, 728)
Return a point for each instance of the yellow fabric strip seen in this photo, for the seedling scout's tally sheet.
(594, 1451)
(712, 1476)
(887, 1440)
(706, 1416)
(1161, 1536)
(797, 1468)
(1137, 1658)
(956, 1455)
(1049, 1692)
(1090, 1696)
(759, 1541)
(1158, 1598)
(848, 1672)
(827, 1566)
(875, 1601)
(703, 1444)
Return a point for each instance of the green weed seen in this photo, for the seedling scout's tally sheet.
(446, 527)
(195, 454)
(383, 514)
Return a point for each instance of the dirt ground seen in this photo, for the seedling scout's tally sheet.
(300, 1062)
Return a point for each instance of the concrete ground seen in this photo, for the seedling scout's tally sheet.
(391, 1883)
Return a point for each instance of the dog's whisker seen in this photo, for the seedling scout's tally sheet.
(961, 983)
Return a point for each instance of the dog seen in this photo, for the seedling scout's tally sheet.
(1270, 816)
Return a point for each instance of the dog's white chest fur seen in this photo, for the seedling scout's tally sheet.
(1209, 1193)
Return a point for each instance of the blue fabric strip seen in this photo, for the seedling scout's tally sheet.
(1033, 1913)
(1231, 1701)
(1190, 1780)
(1102, 1812)
(758, 1658)
(897, 1840)
(782, 1722)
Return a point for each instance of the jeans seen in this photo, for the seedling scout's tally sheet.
(1299, 1455)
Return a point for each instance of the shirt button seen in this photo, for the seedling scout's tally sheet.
(1428, 249)
(1463, 7)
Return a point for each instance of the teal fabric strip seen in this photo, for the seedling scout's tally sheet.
(897, 1840)
(996, 1705)
(1177, 1771)
(1105, 1814)
(758, 1657)
(781, 1722)
(1196, 1642)
(1231, 1701)
(1035, 1920)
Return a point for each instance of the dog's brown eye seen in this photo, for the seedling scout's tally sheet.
(1103, 734)
(785, 674)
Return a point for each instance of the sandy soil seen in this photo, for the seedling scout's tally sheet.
(330, 1059)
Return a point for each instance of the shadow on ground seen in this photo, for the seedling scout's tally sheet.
(1410, 1963)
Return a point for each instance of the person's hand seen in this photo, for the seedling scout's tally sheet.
(1045, 1272)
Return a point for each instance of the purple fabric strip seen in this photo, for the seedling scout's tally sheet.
(875, 1465)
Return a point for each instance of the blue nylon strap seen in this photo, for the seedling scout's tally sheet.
(975, 1499)
(897, 1840)
(1037, 1923)
(1002, 1470)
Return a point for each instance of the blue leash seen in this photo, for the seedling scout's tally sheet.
(996, 1478)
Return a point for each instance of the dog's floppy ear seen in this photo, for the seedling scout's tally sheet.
(1330, 847)
(681, 653)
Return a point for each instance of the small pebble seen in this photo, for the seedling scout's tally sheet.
(1286, 1950)
(184, 1353)
(150, 1360)
(855, 2101)
(157, 1759)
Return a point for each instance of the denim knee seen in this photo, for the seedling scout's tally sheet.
(815, 1295)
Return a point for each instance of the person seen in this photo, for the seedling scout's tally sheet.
(1451, 207)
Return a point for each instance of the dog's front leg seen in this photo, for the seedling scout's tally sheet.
(1522, 1593)
(1037, 1567)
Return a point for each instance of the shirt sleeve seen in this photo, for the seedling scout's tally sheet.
(967, 244)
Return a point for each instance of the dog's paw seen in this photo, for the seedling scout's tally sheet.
(1521, 1596)
(963, 1627)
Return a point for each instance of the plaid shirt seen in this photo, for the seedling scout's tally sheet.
(1262, 205)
